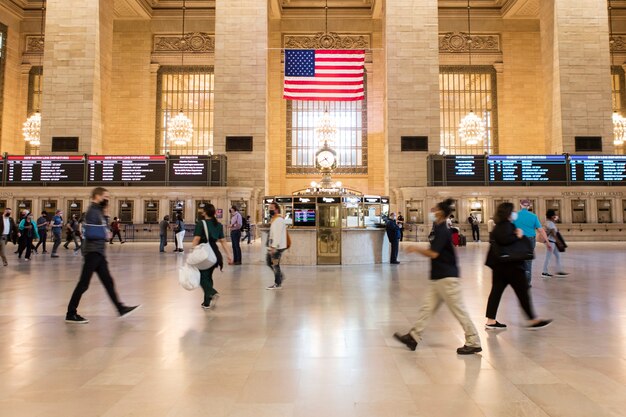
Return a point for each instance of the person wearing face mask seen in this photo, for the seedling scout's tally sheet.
(393, 234)
(552, 232)
(8, 233)
(42, 227)
(509, 273)
(96, 235)
(57, 232)
(444, 285)
(164, 226)
(529, 223)
(277, 243)
(27, 233)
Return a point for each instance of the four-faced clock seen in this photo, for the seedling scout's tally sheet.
(325, 159)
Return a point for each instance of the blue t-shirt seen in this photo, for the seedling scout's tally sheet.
(528, 222)
(57, 224)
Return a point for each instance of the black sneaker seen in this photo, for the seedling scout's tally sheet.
(126, 311)
(54, 255)
(468, 350)
(407, 340)
(562, 274)
(496, 326)
(76, 319)
(540, 325)
(205, 307)
(546, 275)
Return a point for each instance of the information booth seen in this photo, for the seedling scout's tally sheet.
(332, 226)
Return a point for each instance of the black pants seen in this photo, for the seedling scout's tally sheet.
(116, 233)
(395, 247)
(43, 237)
(94, 262)
(247, 236)
(206, 282)
(72, 237)
(25, 243)
(235, 238)
(475, 232)
(514, 276)
(57, 242)
(401, 234)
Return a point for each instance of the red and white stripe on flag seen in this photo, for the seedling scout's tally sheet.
(329, 75)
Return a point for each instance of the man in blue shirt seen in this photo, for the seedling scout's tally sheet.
(57, 231)
(530, 225)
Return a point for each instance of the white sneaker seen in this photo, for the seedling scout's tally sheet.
(274, 287)
(213, 302)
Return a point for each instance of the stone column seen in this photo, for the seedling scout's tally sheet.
(412, 47)
(77, 72)
(575, 49)
(241, 39)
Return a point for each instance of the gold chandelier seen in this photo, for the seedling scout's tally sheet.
(326, 130)
(31, 129)
(180, 128)
(472, 129)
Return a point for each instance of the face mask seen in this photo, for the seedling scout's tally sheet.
(514, 216)
(432, 217)
(7, 215)
(272, 213)
(104, 203)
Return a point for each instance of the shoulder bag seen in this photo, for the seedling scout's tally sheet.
(560, 242)
(520, 250)
(202, 256)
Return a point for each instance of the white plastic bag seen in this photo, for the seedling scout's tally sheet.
(202, 256)
(189, 277)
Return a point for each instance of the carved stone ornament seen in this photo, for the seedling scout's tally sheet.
(458, 42)
(323, 40)
(618, 43)
(34, 44)
(191, 42)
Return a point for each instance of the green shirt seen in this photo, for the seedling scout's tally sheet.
(215, 230)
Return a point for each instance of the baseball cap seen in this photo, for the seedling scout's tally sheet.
(525, 202)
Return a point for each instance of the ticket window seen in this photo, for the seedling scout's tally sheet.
(126, 211)
(579, 211)
(176, 207)
(200, 204)
(476, 210)
(496, 203)
(415, 211)
(605, 211)
(556, 206)
(49, 206)
(74, 207)
(352, 213)
(23, 205)
(151, 212)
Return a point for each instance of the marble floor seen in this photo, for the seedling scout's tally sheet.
(322, 346)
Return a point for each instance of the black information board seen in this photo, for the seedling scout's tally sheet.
(465, 169)
(527, 169)
(598, 169)
(126, 170)
(189, 170)
(30, 170)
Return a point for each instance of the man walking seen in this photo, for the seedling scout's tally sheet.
(57, 232)
(8, 233)
(164, 226)
(393, 234)
(530, 225)
(42, 227)
(235, 234)
(277, 243)
(115, 231)
(96, 235)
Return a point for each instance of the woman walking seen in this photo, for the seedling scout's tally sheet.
(180, 232)
(216, 234)
(27, 233)
(552, 231)
(510, 273)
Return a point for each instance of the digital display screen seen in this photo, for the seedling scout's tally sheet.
(304, 215)
(465, 170)
(30, 170)
(524, 169)
(126, 170)
(598, 169)
(189, 170)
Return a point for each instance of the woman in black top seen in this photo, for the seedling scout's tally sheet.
(509, 273)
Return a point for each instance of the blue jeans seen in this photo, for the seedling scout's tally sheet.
(162, 243)
(528, 265)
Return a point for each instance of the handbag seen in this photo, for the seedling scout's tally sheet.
(189, 277)
(202, 256)
(520, 250)
(560, 242)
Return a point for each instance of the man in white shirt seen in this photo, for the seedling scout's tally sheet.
(8, 231)
(276, 245)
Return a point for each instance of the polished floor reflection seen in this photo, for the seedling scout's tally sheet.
(322, 346)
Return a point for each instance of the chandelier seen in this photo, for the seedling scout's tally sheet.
(619, 129)
(472, 129)
(180, 128)
(325, 130)
(31, 129)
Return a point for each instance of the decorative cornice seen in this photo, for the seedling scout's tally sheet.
(458, 42)
(196, 42)
(618, 43)
(34, 44)
(323, 40)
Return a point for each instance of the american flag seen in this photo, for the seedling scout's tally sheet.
(329, 75)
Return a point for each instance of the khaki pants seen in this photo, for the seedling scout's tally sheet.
(447, 290)
(3, 243)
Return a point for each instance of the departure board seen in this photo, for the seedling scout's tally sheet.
(126, 170)
(30, 170)
(189, 170)
(465, 170)
(598, 169)
(527, 169)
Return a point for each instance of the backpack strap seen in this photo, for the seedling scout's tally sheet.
(206, 231)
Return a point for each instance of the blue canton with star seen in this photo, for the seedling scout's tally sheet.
(300, 63)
